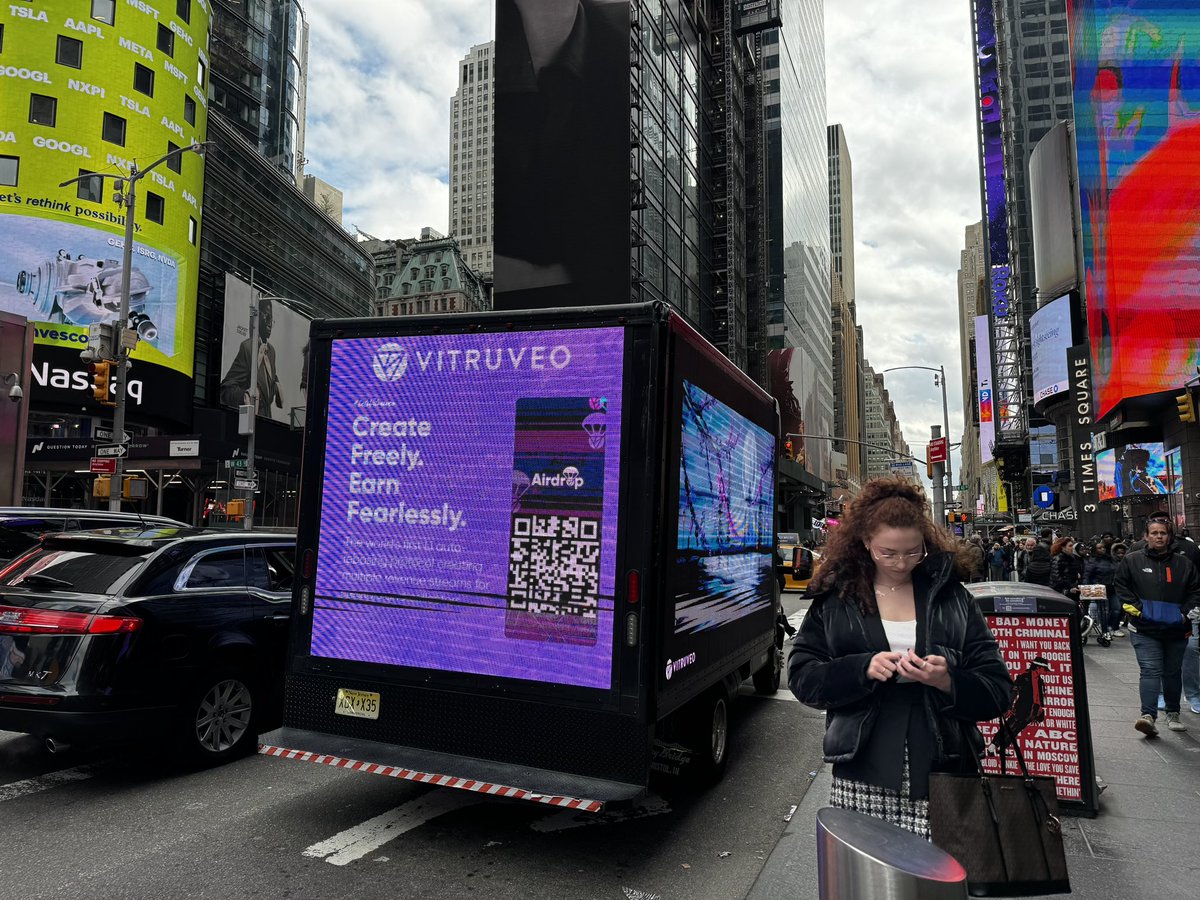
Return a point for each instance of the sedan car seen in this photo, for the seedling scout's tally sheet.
(116, 634)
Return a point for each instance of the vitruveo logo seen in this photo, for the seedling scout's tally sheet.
(674, 665)
(391, 362)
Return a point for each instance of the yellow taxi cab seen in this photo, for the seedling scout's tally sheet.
(800, 564)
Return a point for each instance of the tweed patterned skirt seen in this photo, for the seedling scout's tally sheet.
(898, 808)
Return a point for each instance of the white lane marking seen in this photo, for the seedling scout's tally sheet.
(353, 843)
(650, 805)
(44, 782)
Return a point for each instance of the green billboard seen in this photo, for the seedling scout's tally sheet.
(95, 88)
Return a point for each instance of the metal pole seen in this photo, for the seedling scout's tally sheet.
(939, 503)
(129, 200)
(949, 491)
(248, 519)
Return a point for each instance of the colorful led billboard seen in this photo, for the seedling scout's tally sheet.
(1137, 92)
(1050, 336)
(470, 507)
(94, 94)
(992, 156)
(1137, 470)
(983, 375)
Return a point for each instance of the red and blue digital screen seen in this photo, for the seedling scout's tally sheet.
(470, 504)
(726, 533)
(1138, 470)
(1137, 116)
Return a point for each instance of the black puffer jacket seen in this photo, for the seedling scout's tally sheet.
(1065, 571)
(827, 666)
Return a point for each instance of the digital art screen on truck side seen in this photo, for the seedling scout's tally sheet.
(469, 516)
(726, 536)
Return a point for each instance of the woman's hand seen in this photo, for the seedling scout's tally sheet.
(884, 665)
(932, 670)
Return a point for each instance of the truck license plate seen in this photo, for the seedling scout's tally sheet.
(360, 704)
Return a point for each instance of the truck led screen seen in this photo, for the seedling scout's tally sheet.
(725, 544)
(469, 515)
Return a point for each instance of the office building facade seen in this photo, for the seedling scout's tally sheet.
(472, 114)
(971, 288)
(847, 350)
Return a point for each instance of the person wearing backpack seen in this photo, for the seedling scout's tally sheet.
(1037, 566)
(1158, 588)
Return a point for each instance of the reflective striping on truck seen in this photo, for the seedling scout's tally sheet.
(450, 781)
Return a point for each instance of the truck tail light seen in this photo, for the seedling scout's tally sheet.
(308, 564)
(633, 591)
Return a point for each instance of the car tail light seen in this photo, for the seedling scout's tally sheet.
(19, 620)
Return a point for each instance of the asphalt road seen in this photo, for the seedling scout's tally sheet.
(133, 825)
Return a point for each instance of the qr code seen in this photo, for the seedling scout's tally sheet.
(554, 565)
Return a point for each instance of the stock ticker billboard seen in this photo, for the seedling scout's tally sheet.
(1137, 89)
(92, 94)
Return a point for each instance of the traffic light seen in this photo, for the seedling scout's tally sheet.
(787, 448)
(1187, 407)
(235, 509)
(100, 381)
(102, 487)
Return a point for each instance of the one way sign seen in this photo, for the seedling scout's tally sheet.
(113, 451)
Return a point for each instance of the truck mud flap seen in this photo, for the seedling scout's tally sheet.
(482, 776)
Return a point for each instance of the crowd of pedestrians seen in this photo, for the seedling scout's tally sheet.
(1148, 590)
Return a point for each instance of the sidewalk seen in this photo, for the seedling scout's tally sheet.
(1145, 842)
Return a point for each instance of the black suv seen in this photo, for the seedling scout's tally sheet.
(117, 634)
(21, 526)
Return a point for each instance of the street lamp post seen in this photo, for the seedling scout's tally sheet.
(939, 379)
(126, 196)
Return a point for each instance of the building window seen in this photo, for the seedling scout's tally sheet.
(201, 72)
(405, 288)
(9, 167)
(395, 309)
(166, 40)
(143, 79)
(174, 163)
(90, 189)
(102, 10)
(114, 129)
(183, 9)
(43, 110)
(193, 229)
(189, 110)
(154, 207)
(69, 53)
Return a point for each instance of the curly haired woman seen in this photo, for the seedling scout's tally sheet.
(897, 653)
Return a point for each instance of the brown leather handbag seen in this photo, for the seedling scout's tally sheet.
(1003, 829)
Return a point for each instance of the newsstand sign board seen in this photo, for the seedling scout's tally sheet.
(1039, 639)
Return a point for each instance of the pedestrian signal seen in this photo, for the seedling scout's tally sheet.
(1187, 407)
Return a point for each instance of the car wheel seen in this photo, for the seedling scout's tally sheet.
(218, 724)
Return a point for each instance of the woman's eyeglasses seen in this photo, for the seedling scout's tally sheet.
(893, 556)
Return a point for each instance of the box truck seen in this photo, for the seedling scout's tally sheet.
(535, 552)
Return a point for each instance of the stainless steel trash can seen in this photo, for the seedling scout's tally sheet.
(863, 858)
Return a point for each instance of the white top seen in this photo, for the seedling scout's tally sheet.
(901, 637)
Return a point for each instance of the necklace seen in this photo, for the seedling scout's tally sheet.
(892, 588)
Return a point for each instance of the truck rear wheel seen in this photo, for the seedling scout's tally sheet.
(709, 737)
(767, 679)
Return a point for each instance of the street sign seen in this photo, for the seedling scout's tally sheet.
(938, 449)
(103, 466)
(245, 484)
(239, 463)
(112, 450)
(104, 434)
(1043, 497)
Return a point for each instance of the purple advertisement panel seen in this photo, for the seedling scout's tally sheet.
(470, 506)
(992, 155)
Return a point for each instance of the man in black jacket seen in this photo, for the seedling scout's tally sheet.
(1037, 564)
(1157, 587)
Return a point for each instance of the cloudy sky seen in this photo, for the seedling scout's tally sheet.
(382, 73)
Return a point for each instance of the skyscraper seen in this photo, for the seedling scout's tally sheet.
(847, 373)
(471, 166)
(971, 279)
(259, 76)
(796, 163)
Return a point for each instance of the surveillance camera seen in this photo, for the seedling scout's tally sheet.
(16, 395)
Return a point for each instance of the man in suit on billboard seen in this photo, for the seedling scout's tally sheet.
(235, 386)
